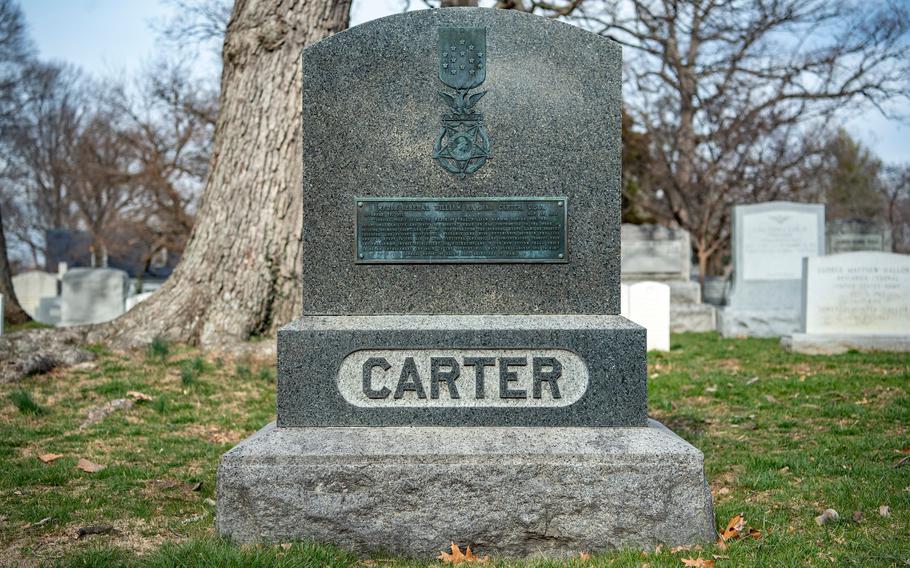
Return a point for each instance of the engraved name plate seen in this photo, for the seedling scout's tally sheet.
(459, 378)
(456, 230)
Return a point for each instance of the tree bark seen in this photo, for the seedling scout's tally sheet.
(12, 311)
(240, 272)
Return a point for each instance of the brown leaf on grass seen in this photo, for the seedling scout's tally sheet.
(857, 516)
(827, 516)
(734, 527)
(88, 466)
(139, 396)
(584, 556)
(905, 450)
(457, 556)
(682, 548)
(901, 462)
(698, 562)
(884, 511)
(755, 534)
(770, 399)
(48, 458)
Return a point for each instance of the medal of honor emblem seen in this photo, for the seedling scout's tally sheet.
(462, 145)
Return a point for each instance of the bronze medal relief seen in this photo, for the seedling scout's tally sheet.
(462, 145)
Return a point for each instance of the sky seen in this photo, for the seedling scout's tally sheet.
(117, 37)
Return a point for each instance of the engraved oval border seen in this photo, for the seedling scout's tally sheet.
(349, 380)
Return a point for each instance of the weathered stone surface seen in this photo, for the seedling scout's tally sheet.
(655, 252)
(834, 344)
(769, 242)
(756, 323)
(504, 491)
(312, 350)
(371, 116)
(93, 295)
(692, 317)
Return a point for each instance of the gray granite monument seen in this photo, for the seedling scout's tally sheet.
(654, 253)
(855, 235)
(856, 300)
(460, 371)
(770, 241)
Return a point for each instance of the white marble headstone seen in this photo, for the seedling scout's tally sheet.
(648, 305)
(93, 295)
(31, 287)
(857, 293)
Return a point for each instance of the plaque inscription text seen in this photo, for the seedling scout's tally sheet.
(427, 230)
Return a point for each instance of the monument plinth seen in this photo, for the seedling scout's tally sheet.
(460, 371)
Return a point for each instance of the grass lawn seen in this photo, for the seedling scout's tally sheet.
(785, 437)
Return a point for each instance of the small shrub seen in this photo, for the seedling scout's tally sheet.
(159, 349)
(25, 403)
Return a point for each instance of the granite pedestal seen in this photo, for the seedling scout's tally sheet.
(512, 492)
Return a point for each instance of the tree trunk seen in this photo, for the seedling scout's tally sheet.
(240, 272)
(12, 311)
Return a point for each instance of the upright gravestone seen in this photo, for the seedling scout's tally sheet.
(770, 241)
(858, 300)
(31, 287)
(648, 305)
(460, 371)
(93, 295)
(664, 254)
(855, 235)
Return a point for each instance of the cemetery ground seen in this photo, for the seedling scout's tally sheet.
(785, 437)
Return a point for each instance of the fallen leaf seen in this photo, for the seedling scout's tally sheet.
(754, 533)
(88, 467)
(901, 462)
(457, 556)
(770, 399)
(785, 469)
(139, 396)
(698, 562)
(857, 516)
(584, 556)
(40, 523)
(827, 516)
(723, 491)
(94, 529)
(287, 546)
(752, 381)
(734, 528)
(48, 458)
(196, 486)
(683, 548)
(884, 511)
(905, 450)
(721, 544)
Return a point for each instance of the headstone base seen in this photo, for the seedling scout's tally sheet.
(692, 317)
(831, 344)
(505, 491)
(733, 322)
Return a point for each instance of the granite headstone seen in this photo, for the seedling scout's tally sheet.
(858, 300)
(462, 268)
(770, 241)
(664, 254)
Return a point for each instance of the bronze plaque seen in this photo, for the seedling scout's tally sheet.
(456, 230)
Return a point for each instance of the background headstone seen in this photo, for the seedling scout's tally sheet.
(33, 285)
(50, 311)
(858, 300)
(769, 242)
(131, 301)
(854, 235)
(648, 305)
(93, 295)
(664, 254)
